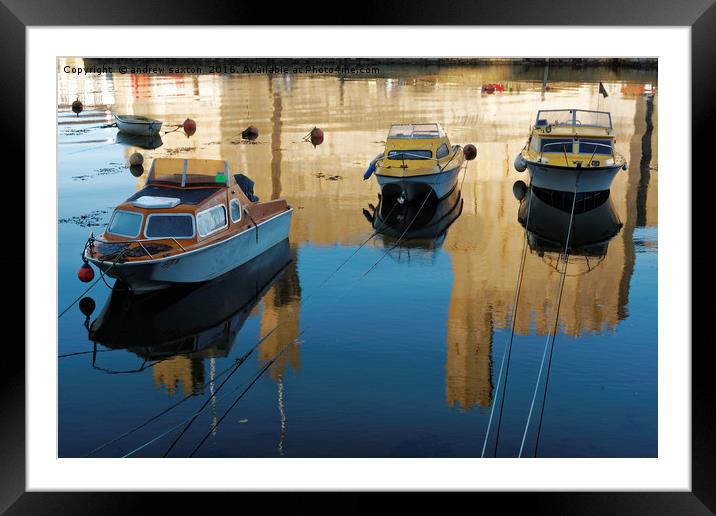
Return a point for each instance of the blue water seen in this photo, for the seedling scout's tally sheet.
(402, 361)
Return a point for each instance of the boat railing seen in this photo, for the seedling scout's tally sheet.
(139, 241)
(455, 148)
(564, 149)
(572, 120)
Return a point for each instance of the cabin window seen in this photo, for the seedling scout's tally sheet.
(235, 207)
(601, 146)
(409, 154)
(557, 144)
(169, 226)
(125, 223)
(442, 151)
(211, 220)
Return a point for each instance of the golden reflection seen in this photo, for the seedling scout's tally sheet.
(177, 372)
(281, 321)
(484, 244)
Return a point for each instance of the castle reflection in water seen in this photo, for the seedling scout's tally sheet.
(484, 244)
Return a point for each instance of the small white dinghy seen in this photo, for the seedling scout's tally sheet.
(139, 125)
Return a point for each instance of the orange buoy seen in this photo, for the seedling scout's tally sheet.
(87, 306)
(469, 151)
(189, 127)
(86, 273)
(316, 136)
(77, 107)
(250, 133)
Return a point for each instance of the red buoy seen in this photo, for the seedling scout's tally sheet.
(86, 273)
(489, 89)
(189, 126)
(77, 107)
(316, 136)
(250, 133)
(469, 151)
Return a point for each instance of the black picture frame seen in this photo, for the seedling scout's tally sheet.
(17, 15)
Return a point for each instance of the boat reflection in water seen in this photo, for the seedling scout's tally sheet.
(413, 225)
(196, 320)
(141, 141)
(545, 214)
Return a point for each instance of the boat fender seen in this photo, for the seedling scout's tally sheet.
(85, 274)
(371, 167)
(520, 163)
(369, 171)
(189, 127)
(136, 170)
(624, 166)
(136, 159)
(316, 136)
(250, 133)
(519, 189)
(77, 107)
(87, 306)
(469, 151)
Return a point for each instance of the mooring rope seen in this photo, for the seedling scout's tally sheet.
(239, 361)
(232, 366)
(372, 235)
(270, 363)
(101, 277)
(255, 378)
(254, 347)
(397, 243)
(507, 353)
(551, 333)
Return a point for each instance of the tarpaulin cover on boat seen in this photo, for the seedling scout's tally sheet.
(247, 186)
(185, 195)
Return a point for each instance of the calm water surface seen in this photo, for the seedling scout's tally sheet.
(401, 362)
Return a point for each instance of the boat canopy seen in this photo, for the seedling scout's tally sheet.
(189, 172)
(573, 117)
(416, 131)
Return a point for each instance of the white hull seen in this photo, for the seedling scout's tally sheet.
(138, 128)
(415, 188)
(569, 179)
(201, 264)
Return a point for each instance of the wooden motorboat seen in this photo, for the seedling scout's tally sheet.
(192, 222)
(138, 125)
(418, 160)
(571, 150)
(190, 318)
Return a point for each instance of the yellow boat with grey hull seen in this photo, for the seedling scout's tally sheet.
(571, 150)
(418, 161)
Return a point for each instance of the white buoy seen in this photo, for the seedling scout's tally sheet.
(520, 164)
(136, 159)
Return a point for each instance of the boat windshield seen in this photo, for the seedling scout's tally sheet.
(189, 172)
(574, 117)
(415, 131)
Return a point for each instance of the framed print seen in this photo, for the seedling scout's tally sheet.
(381, 258)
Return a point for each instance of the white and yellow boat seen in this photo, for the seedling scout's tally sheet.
(571, 150)
(418, 161)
